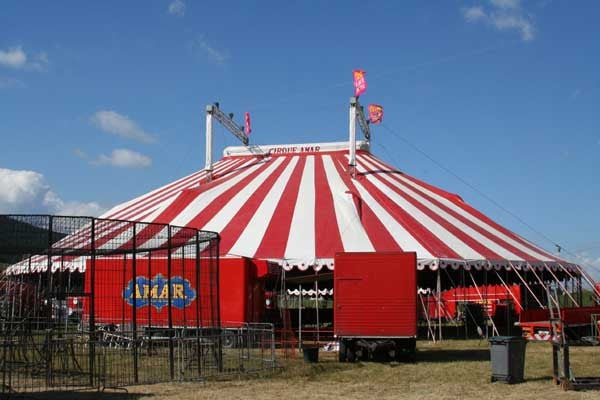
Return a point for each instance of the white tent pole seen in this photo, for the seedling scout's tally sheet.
(427, 317)
(439, 304)
(571, 277)
(577, 281)
(532, 268)
(352, 134)
(209, 140)
(561, 285)
(482, 300)
(508, 289)
(317, 309)
(527, 286)
(589, 279)
(566, 270)
(300, 319)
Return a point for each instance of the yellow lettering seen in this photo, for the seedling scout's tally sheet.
(178, 291)
(154, 292)
(138, 295)
(164, 294)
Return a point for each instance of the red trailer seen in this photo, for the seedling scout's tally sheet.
(375, 304)
(578, 321)
(489, 297)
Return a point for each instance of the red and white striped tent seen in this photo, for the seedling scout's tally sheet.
(298, 205)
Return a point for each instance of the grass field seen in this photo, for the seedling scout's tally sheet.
(448, 370)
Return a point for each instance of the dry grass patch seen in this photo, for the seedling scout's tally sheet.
(448, 370)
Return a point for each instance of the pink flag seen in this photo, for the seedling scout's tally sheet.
(360, 83)
(375, 113)
(247, 128)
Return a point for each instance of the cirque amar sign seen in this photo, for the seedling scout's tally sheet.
(294, 149)
(155, 292)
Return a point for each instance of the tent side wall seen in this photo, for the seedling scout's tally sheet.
(241, 296)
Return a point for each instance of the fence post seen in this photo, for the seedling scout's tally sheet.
(134, 310)
(216, 282)
(169, 310)
(149, 322)
(49, 262)
(49, 351)
(92, 344)
(198, 309)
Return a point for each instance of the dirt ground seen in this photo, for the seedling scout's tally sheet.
(448, 370)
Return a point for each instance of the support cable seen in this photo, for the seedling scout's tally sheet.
(494, 202)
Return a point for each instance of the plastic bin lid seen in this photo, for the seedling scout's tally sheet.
(495, 339)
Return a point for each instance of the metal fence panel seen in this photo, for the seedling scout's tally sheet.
(87, 302)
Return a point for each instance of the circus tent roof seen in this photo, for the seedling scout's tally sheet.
(298, 205)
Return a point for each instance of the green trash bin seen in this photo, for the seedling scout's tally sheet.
(507, 354)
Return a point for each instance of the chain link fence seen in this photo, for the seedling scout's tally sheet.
(88, 302)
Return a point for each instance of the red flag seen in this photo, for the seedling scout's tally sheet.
(375, 113)
(247, 128)
(360, 83)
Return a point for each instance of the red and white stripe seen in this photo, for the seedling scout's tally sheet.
(299, 208)
(543, 336)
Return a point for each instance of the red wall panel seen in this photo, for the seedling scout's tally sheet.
(192, 293)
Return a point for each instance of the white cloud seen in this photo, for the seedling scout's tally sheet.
(472, 14)
(16, 58)
(11, 83)
(204, 47)
(177, 8)
(124, 158)
(503, 15)
(24, 191)
(40, 62)
(18, 187)
(121, 125)
(506, 3)
(514, 22)
(76, 208)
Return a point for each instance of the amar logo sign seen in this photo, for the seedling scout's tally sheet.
(155, 292)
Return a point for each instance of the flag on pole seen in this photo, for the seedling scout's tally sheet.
(247, 128)
(360, 83)
(375, 113)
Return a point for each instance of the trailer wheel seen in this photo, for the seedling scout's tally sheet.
(342, 351)
(228, 340)
(350, 353)
(406, 350)
(412, 349)
(364, 354)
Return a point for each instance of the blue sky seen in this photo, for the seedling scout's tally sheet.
(103, 101)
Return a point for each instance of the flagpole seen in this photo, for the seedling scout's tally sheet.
(352, 139)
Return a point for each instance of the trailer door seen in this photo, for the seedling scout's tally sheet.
(375, 295)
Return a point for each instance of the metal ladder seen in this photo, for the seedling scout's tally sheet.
(562, 374)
